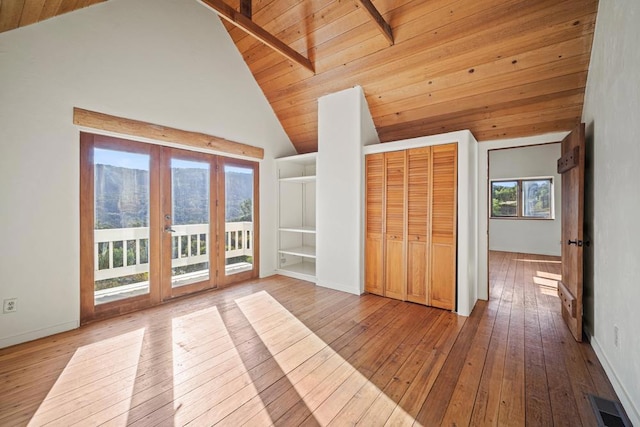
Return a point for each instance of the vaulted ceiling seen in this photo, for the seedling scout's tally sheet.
(501, 68)
(18, 13)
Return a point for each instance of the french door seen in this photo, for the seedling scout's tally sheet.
(159, 222)
(187, 187)
(238, 220)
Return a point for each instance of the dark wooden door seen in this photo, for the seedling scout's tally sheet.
(571, 166)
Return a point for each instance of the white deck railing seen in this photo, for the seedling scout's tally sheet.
(187, 239)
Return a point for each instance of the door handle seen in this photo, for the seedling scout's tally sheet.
(168, 229)
(576, 242)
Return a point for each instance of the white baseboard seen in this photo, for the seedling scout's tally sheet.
(40, 333)
(339, 287)
(627, 403)
(269, 273)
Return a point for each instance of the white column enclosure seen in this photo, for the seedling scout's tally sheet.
(344, 127)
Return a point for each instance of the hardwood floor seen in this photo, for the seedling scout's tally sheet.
(284, 352)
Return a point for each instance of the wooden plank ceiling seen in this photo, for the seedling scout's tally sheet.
(501, 68)
(18, 13)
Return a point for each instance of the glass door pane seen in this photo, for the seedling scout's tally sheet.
(190, 222)
(121, 225)
(238, 194)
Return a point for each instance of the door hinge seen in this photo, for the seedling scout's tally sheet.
(579, 243)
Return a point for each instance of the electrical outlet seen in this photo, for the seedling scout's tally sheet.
(616, 336)
(10, 305)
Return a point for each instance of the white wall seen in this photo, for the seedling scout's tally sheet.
(344, 126)
(611, 114)
(467, 270)
(527, 235)
(483, 197)
(467, 223)
(169, 62)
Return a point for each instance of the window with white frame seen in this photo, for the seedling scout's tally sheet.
(524, 198)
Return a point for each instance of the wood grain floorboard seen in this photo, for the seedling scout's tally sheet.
(280, 351)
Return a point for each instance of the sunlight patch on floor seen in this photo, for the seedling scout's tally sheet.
(545, 282)
(547, 286)
(553, 292)
(323, 379)
(99, 377)
(210, 379)
(542, 261)
(547, 275)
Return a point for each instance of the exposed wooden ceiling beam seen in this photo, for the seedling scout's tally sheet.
(382, 24)
(247, 25)
(245, 8)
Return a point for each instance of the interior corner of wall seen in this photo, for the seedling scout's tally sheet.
(368, 132)
(629, 405)
(268, 273)
(472, 138)
(338, 287)
(463, 310)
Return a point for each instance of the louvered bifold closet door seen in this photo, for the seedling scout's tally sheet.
(374, 202)
(394, 247)
(418, 212)
(443, 226)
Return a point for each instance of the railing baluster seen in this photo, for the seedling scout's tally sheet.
(110, 254)
(238, 237)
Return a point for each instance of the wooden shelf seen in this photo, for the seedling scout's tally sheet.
(296, 216)
(299, 179)
(301, 270)
(303, 251)
(310, 230)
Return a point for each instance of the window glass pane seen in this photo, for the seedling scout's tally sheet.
(121, 215)
(536, 197)
(238, 219)
(504, 198)
(190, 197)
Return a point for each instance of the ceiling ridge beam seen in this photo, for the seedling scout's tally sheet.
(383, 26)
(247, 25)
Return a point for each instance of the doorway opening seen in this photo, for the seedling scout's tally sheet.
(525, 219)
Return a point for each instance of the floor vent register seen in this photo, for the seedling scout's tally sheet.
(609, 413)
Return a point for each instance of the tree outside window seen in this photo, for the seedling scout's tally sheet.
(537, 198)
(504, 199)
(522, 198)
